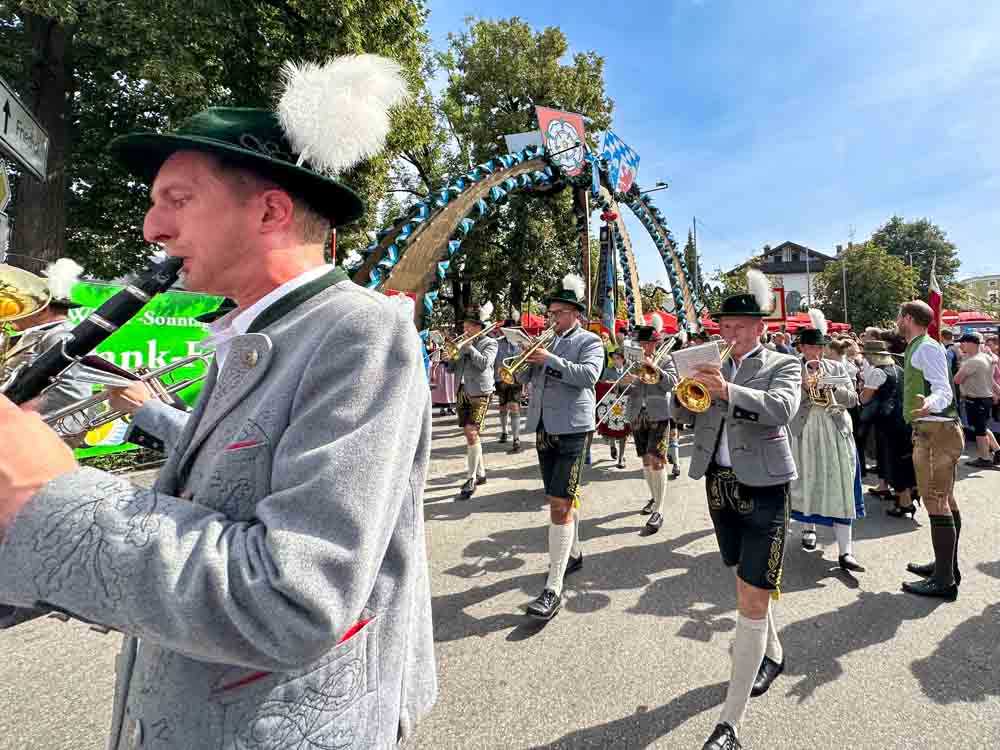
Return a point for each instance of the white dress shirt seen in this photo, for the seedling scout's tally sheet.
(722, 452)
(238, 322)
(930, 358)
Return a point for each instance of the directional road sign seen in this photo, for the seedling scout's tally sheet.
(22, 137)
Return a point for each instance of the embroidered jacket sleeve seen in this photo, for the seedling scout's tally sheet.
(929, 358)
(274, 593)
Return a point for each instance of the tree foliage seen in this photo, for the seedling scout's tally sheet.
(921, 243)
(876, 284)
(148, 65)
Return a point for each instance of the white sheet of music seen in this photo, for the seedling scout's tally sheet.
(703, 354)
(516, 336)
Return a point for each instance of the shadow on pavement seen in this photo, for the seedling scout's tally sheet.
(644, 727)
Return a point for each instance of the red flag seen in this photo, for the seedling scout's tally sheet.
(934, 300)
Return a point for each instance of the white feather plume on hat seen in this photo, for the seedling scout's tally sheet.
(760, 288)
(337, 113)
(574, 283)
(485, 311)
(62, 276)
(818, 320)
(657, 322)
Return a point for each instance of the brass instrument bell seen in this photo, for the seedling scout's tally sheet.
(512, 366)
(694, 396)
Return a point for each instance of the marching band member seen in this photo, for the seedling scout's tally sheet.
(741, 447)
(44, 329)
(827, 490)
(508, 396)
(648, 413)
(273, 585)
(561, 414)
(474, 374)
(613, 374)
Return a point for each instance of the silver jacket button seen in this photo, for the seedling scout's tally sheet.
(134, 734)
(251, 358)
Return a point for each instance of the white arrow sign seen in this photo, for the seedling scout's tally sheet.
(21, 136)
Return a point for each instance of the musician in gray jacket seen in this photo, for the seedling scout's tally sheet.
(273, 585)
(474, 375)
(561, 414)
(741, 447)
(649, 415)
(508, 394)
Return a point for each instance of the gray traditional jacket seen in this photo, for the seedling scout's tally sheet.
(273, 586)
(845, 396)
(474, 366)
(763, 397)
(656, 398)
(562, 395)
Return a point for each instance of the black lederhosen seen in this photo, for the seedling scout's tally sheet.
(977, 411)
(472, 409)
(560, 458)
(509, 394)
(751, 524)
(651, 438)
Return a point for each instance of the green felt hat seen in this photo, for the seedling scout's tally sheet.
(813, 337)
(744, 305)
(249, 138)
(571, 292)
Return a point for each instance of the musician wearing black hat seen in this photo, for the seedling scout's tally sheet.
(474, 375)
(508, 394)
(273, 586)
(561, 414)
(742, 448)
(648, 414)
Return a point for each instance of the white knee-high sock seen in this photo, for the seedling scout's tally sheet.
(515, 425)
(577, 549)
(473, 454)
(481, 463)
(647, 475)
(842, 531)
(560, 545)
(658, 484)
(749, 644)
(774, 650)
(503, 421)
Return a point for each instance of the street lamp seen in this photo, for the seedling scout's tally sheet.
(660, 185)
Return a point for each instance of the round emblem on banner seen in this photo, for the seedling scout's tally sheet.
(615, 423)
(561, 136)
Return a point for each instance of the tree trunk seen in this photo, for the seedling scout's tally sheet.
(39, 208)
(457, 305)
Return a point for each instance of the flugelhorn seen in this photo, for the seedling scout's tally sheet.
(512, 366)
(650, 374)
(819, 386)
(453, 347)
(694, 396)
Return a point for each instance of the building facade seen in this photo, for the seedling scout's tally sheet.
(794, 267)
(982, 289)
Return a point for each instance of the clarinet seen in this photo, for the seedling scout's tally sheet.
(96, 327)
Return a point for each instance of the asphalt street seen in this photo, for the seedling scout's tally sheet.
(639, 655)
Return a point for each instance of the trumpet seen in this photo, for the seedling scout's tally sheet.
(694, 396)
(79, 418)
(511, 367)
(819, 386)
(650, 374)
(453, 347)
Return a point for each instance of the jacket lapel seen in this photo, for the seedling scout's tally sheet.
(246, 363)
(749, 368)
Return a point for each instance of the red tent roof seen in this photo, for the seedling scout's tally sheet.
(791, 324)
(669, 321)
(952, 317)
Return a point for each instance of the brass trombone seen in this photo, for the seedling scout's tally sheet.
(453, 347)
(79, 418)
(650, 374)
(694, 396)
(511, 367)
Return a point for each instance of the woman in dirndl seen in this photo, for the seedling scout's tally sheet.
(827, 491)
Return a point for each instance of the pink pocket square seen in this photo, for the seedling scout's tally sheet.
(242, 444)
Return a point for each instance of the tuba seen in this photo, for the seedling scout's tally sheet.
(512, 366)
(693, 395)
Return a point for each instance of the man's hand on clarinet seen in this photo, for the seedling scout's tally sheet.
(32, 455)
(710, 376)
(130, 398)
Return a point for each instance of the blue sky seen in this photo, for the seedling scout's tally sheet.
(796, 121)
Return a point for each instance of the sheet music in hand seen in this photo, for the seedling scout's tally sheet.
(703, 354)
(516, 336)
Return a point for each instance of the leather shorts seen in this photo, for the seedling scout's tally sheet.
(472, 410)
(651, 438)
(560, 458)
(751, 524)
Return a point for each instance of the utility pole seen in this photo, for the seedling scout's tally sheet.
(809, 294)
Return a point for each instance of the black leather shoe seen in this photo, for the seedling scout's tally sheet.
(899, 511)
(546, 605)
(574, 564)
(808, 540)
(676, 472)
(654, 523)
(930, 587)
(723, 738)
(480, 480)
(927, 570)
(648, 507)
(851, 565)
(468, 489)
(620, 465)
(503, 437)
(516, 447)
(768, 673)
